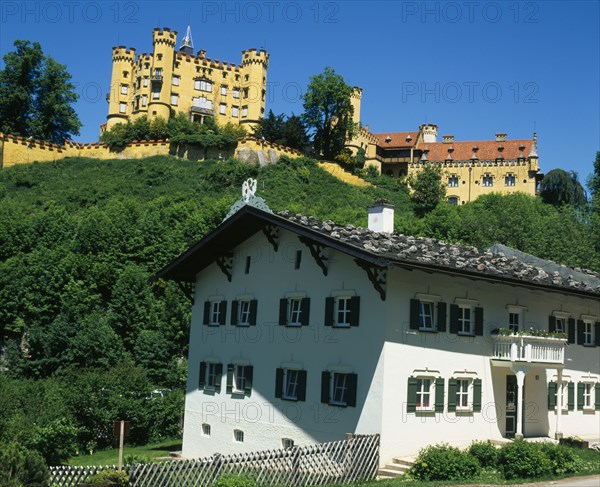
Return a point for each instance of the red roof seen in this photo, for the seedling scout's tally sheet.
(487, 150)
(398, 139)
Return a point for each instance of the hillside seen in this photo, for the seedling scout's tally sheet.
(80, 238)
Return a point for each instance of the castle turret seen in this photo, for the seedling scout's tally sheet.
(161, 76)
(253, 85)
(121, 86)
(187, 44)
(355, 98)
(428, 132)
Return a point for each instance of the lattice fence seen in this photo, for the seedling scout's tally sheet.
(66, 476)
(354, 459)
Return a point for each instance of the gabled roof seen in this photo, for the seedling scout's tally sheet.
(396, 140)
(378, 249)
(487, 150)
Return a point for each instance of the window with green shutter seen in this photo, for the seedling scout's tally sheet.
(439, 395)
(597, 399)
(452, 385)
(571, 396)
(477, 395)
(411, 400)
(552, 388)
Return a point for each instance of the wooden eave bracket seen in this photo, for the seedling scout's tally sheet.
(225, 263)
(377, 275)
(272, 234)
(317, 251)
(187, 288)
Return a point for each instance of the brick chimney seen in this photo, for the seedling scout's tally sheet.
(381, 217)
(448, 139)
(501, 137)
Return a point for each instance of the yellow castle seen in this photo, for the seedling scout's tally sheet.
(171, 80)
(472, 168)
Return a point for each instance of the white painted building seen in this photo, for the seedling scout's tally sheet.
(303, 331)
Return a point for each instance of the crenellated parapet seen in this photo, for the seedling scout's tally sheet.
(165, 36)
(255, 56)
(123, 54)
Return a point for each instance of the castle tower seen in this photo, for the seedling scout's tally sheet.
(161, 75)
(355, 98)
(120, 104)
(253, 86)
(428, 132)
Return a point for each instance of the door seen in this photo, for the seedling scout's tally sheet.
(512, 403)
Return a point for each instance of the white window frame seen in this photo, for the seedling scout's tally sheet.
(244, 311)
(122, 107)
(238, 436)
(588, 333)
(203, 85)
(155, 94)
(423, 315)
(565, 395)
(210, 381)
(145, 82)
(291, 379)
(174, 99)
(453, 181)
(223, 109)
(144, 100)
(561, 324)
(244, 111)
(175, 80)
(342, 310)
(425, 389)
(510, 180)
(215, 313)
(236, 92)
(223, 90)
(339, 388)
(124, 89)
(515, 317)
(238, 384)
(462, 320)
(464, 390)
(294, 312)
(487, 181)
(206, 429)
(235, 111)
(589, 392)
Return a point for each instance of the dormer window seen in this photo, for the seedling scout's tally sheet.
(388, 139)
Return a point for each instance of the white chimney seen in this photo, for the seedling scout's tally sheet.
(381, 217)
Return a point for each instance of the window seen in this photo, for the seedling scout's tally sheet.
(175, 80)
(244, 111)
(243, 312)
(159, 57)
(210, 376)
(174, 99)
(202, 102)
(342, 311)
(464, 394)
(144, 100)
(224, 90)
(145, 82)
(466, 319)
(236, 92)
(453, 181)
(238, 436)
(205, 429)
(123, 89)
(234, 111)
(294, 311)
(427, 315)
(588, 332)
(290, 384)
(202, 85)
(463, 387)
(338, 388)
(487, 181)
(514, 319)
(453, 200)
(223, 109)
(155, 93)
(585, 395)
(214, 312)
(239, 379)
(509, 180)
(568, 395)
(560, 325)
(122, 107)
(425, 394)
(287, 443)
(245, 93)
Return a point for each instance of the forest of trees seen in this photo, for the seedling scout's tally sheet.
(87, 334)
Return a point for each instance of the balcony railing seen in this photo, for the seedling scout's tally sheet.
(529, 349)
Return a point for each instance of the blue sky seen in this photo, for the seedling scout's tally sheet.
(473, 67)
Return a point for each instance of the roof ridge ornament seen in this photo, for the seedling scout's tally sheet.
(249, 198)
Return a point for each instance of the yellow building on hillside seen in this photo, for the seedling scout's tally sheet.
(170, 80)
(472, 168)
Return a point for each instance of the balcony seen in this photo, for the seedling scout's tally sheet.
(202, 110)
(527, 349)
(156, 78)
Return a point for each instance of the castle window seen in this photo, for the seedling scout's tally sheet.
(224, 90)
(236, 92)
(246, 77)
(125, 74)
(145, 82)
(174, 99)
(509, 180)
(244, 112)
(234, 111)
(453, 181)
(202, 85)
(147, 65)
(245, 93)
(123, 89)
(222, 108)
(453, 200)
(175, 80)
(155, 93)
(237, 77)
(159, 57)
(144, 100)
(122, 107)
(202, 102)
(487, 181)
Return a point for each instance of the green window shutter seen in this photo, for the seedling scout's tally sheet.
(253, 311)
(552, 388)
(597, 399)
(234, 313)
(206, 312)
(219, 376)
(278, 383)
(454, 318)
(597, 333)
(571, 331)
(351, 382)
(325, 378)
(230, 368)
(354, 310)
(439, 395)
(580, 326)
(411, 400)
(477, 395)
(414, 314)
(283, 302)
(571, 399)
(441, 316)
(479, 321)
(580, 395)
(305, 311)
(248, 373)
(551, 324)
(202, 376)
(222, 312)
(451, 395)
(329, 304)
(301, 390)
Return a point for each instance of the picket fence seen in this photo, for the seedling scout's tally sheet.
(354, 459)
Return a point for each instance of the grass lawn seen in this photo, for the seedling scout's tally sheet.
(111, 456)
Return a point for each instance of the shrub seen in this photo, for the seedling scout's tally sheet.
(444, 462)
(116, 478)
(562, 459)
(19, 467)
(485, 453)
(232, 480)
(520, 459)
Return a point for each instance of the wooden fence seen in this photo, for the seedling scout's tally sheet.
(354, 459)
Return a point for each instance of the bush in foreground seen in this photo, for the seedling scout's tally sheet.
(520, 459)
(562, 459)
(116, 478)
(233, 480)
(21, 467)
(485, 452)
(444, 462)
